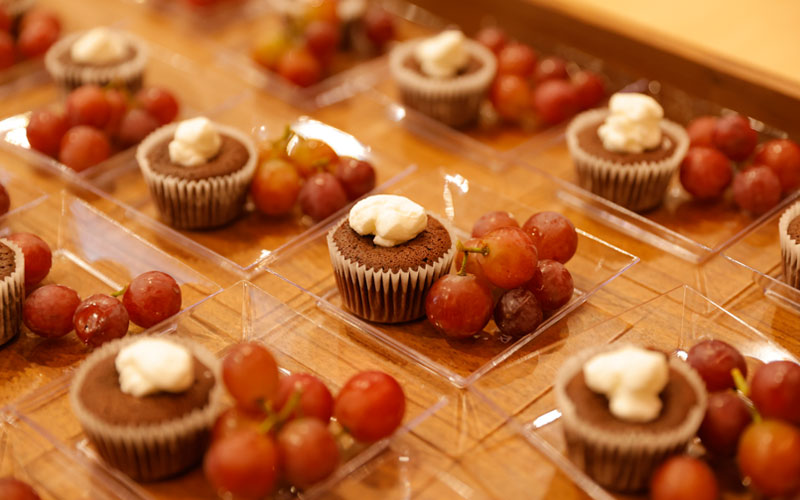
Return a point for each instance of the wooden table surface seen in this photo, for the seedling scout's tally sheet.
(468, 449)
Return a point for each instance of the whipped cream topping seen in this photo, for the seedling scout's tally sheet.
(392, 219)
(153, 365)
(633, 124)
(631, 378)
(443, 55)
(348, 10)
(99, 46)
(195, 142)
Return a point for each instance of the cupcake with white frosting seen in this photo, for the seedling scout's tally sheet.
(628, 152)
(198, 172)
(445, 77)
(386, 254)
(100, 56)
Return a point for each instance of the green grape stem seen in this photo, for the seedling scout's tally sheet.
(744, 389)
(274, 419)
(121, 292)
(467, 250)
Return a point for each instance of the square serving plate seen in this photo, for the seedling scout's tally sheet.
(92, 253)
(351, 74)
(454, 199)
(689, 229)
(21, 193)
(188, 82)
(673, 323)
(242, 312)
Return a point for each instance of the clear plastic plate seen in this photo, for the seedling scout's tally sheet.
(20, 193)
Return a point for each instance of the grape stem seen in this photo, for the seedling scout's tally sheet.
(467, 250)
(274, 419)
(744, 390)
(121, 292)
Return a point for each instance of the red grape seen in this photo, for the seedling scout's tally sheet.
(734, 137)
(726, 418)
(136, 124)
(321, 196)
(553, 234)
(48, 311)
(775, 390)
(38, 257)
(316, 400)
(769, 454)
(357, 176)
(370, 406)
(321, 10)
(783, 157)
(552, 286)
(555, 101)
(756, 189)
(473, 266)
(511, 258)
(151, 298)
(299, 66)
(379, 26)
(7, 57)
(493, 38)
(270, 47)
(275, 187)
(590, 87)
(36, 36)
(518, 312)
(83, 147)
(516, 59)
(87, 105)
(235, 419)
(100, 318)
(705, 172)
(683, 477)
(45, 130)
(714, 360)
(459, 306)
(5, 200)
(38, 15)
(117, 105)
(244, 465)
(14, 489)
(551, 67)
(160, 103)
(491, 221)
(5, 20)
(311, 156)
(322, 39)
(251, 375)
(308, 452)
(511, 97)
(701, 131)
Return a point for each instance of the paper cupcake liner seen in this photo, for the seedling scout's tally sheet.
(385, 296)
(155, 451)
(635, 186)
(12, 295)
(130, 73)
(454, 101)
(790, 251)
(198, 203)
(623, 461)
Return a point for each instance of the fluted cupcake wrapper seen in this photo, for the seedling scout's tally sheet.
(636, 186)
(129, 74)
(155, 451)
(453, 101)
(385, 296)
(790, 251)
(12, 295)
(616, 460)
(198, 203)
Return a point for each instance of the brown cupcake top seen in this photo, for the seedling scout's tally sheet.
(424, 249)
(102, 397)
(232, 156)
(678, 398)
(7, 262)
(793, 230)
(590, 141)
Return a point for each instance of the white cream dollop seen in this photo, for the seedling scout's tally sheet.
(631, 378)
(99, 46)
(195, 142)
(633, 124)
(392, 219)
(153, 365)
(443, 55)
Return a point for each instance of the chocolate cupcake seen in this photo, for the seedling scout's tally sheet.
(445, 77)
(789, 234)
(386, 255)
(628, 153)
(12, 289)
(620, 436)
(198, 172)
(101, 56)
(148, 404)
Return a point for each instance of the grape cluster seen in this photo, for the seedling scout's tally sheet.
(54, 310)
(523, 267)
(26, 38)
(527, 89)
(279, 428)
(717, 143)
(97, 121)
(303, 49)
(298, 170)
